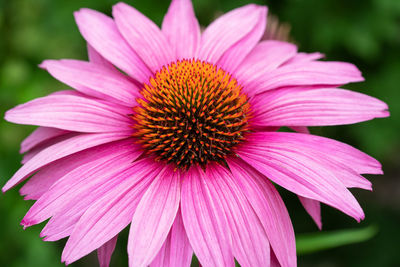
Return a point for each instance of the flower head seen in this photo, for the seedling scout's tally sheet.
(174, 132)
(191, 113)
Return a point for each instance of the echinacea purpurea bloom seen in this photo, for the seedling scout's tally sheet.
(174, 132)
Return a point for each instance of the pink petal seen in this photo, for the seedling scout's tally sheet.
(304, 57)
(67, 203)
(176, 251)
(37, 149)
(315, 107)
(345, 173)
(228, 29)
(69, 93)
(348, 177)
(111, 213)
(307, 74)
(38, 136)
(265, 57)
(300, 129)
(72, 113)
(298, 171)
(28, 156)
(102, 34)
(60, 150)
(68, 214)
(48, 175)
(249, 242)
(182, 29)
(270, 209)
(154, 217)
(94, 80)
(143, 36)
(204, 221)
(98, 59)
(105, 252)
(313, 208)
(235, 55)
(90, 178)
(344, 154)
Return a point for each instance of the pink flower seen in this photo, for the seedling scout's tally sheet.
(173, 131)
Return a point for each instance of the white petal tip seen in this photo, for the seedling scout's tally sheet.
(82, 13)
(6, 187)
(120, 5)
(7, 115)
(43, 65)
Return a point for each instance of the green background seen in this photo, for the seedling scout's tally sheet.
(364, 32)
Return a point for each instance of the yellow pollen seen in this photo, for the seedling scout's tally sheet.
(192, 112)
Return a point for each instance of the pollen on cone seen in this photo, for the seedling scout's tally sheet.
(191, 112)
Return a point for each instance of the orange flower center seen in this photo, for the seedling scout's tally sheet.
(191, 113)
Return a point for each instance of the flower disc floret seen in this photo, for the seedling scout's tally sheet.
(192, 112)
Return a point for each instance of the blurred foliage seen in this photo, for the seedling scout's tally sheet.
(313, 242)
(364, 32)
